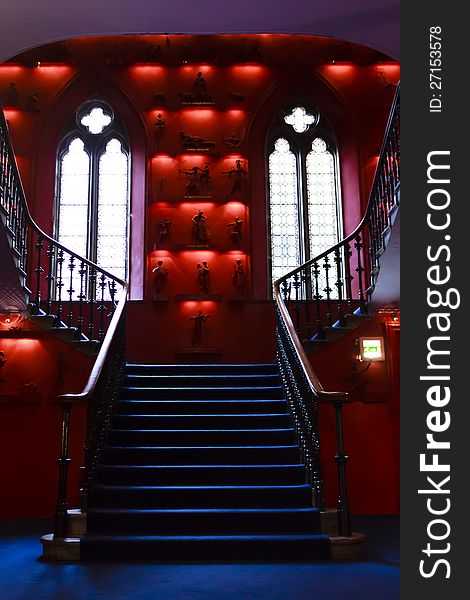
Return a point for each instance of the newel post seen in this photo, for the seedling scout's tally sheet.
(61, 515)
(344, 512)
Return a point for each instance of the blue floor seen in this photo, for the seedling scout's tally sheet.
(24, 577)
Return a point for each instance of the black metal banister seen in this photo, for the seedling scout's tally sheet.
(346, 274)
(63, 284)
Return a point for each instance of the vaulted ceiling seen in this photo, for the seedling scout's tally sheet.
(28, 23)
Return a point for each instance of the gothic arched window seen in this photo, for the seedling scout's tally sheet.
(92, 191)
(304, 191)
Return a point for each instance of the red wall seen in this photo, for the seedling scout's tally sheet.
(30, 420)
(354, 97)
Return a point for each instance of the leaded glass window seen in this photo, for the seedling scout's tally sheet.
(304, 204)
(284, 201)
(92, 198)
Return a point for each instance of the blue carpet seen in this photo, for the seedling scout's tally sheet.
(24, 577)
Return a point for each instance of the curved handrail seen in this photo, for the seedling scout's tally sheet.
(29, 218)
(314, 382)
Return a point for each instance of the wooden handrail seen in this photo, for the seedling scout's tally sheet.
(100, 360)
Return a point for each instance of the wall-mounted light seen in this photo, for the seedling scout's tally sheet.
(371, 349)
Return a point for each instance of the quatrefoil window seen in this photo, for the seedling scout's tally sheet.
(96, 120)
(299, 119)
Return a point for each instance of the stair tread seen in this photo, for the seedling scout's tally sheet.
(202, 447)
(110, 487)
(202, 511)
(261, 536)
(199, 415)
(191, 466)
(189, 431)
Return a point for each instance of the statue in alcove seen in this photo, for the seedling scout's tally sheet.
(238, 175)
(161, 277)
(199, 84)
(193, 186)
(164, 230)
(195, 142)
(153, 53)
(203, 277)
(160, 125)
(205, 177)
(199, 318)
(114, 58)
(201, 233)
(33, 103)
(3, 362)
(232, 141)
(12, 97)
(238, 277)
(236, 231)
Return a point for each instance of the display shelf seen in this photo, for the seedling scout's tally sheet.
(199, 351)
(198, 247)
(198, 298)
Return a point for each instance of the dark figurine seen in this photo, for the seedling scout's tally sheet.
(63, 53)
(205, 176)
(3, 362)
(198, 319)
(159, 98)
(12, 97)
(236, 231)
(184, 55)
(153, 54)
(203, 277)
(199, 84)
(195, 142)
(161, 277)
(201, 233)
(232, 141)
(238, 276)
(160, 125)
(164, 230)
(33, 103)
(238, 175)
(114, 59)
(194, 181)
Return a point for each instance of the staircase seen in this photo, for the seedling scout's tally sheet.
(202, 463)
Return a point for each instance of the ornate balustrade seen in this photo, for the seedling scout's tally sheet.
(78, 297)
(320, 294)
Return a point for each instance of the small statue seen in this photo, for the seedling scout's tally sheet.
(185, 55)
(63, 53)
(3, 362)
(114, 59)
(161, 277)
(203, 277)
(153, 54)
(160, 125)
(159, 98)
(198, 319)
(232, 141)
(238, 175)
(201, 233)
(12, 97)
(199, 84)
(33, 102)
(164, 230)
(195, 142)
(238, 276)
(193, 186)
(205, 176)
(236, 231)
